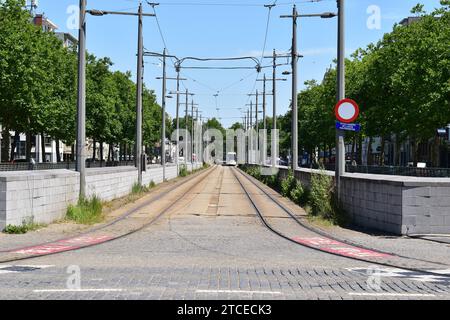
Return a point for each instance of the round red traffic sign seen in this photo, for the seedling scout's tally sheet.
(346, 111)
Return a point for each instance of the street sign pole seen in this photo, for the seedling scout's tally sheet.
(340, 144)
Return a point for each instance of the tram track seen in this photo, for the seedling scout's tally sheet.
(384, 259)
(195, 180)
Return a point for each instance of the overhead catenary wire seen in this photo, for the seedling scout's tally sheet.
(235, 4)
(270, 7)
(258, 60)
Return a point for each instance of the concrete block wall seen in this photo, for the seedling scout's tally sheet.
(426, 207)
(45, 195)
(41, 195)
(392, 204)
(110, 183)
(373, 203)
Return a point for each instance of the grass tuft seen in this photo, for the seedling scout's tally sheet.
(183, 171)
(87, 211)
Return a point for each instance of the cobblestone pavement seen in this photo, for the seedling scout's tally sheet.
(210, 246)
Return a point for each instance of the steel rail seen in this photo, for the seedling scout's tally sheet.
(273, 230)
(122, 217)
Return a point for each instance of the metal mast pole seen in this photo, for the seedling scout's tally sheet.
(251, 114)
(197, 142)
(163, 131)
(264, 147)
(257, 128)
(139, 99)
(248, 136)
(178, 118)
(340, 145)
(256, 116)
(294, 92)
(264, 104)
(192, 132)
(186, 127)
(274, 100)
(81, 104)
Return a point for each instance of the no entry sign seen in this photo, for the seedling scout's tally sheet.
(347, 111)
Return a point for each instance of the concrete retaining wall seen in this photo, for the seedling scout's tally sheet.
(394, 204)
(45, 195)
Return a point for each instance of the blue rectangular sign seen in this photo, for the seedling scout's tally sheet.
(348, 126)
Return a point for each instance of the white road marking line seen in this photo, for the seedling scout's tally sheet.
(26, 266)
(32, 266)
(380, 294)
(238, 291)
(78, 290)
(6, 271)
(446, 271)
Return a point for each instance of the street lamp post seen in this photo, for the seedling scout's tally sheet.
(187, 104)
(294, 58)
(163, 130)
(163, 105)
(81, 100)
(187, 94)
(140, 63)
(274, 79)
(81, 104)
(265, 94)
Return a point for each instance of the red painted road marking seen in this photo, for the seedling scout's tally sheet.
(63, 245)
(339, 248)
(316, 241)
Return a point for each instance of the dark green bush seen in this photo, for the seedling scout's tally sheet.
(27, 225)
(321, 196)
(288, 184)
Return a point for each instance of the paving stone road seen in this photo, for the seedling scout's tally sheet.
(211, 246)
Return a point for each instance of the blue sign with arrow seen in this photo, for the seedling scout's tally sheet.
(355, 127)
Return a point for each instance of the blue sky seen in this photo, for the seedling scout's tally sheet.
(198, 28)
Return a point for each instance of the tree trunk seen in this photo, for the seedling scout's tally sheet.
(14, 145)
(360, 149)
(42, 147)
(353, 148)
(110, 152)
(382, 152)
(94, 150)
(369, 152)
(397, 151)
(329, 153)
(415, 151)
(6, 143)
(101, 152)
(58, 151)
(435, 155)
(29, 136)
(73, 152)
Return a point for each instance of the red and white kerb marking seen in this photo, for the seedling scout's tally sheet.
(339, 248)
(347, 111)
(64, 245)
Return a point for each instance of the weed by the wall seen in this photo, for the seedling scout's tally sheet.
(87, 211)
